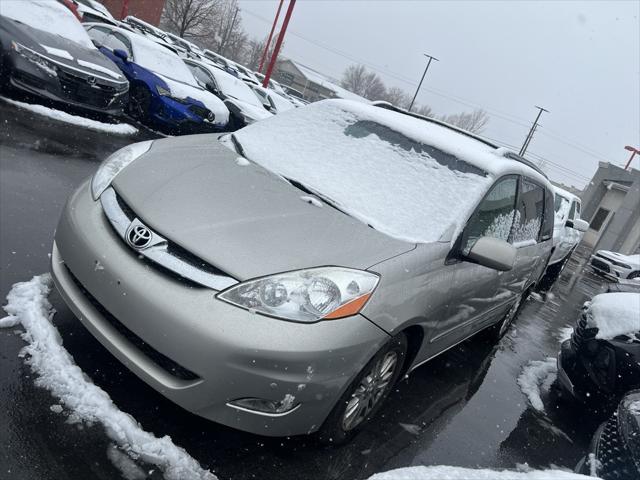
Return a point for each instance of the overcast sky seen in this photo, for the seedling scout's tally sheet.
(580, 60)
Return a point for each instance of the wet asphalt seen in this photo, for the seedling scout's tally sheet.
(464, 408)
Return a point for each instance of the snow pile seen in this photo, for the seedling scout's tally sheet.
(57, 372)
(535, 375)
(49, 16)
(99, 68)
(58, 52)
(440, 472)
(116, 128)
(614, 314)
(405, 177)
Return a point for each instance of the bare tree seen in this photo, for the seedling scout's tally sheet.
(367, 84)
(190, 18)
(396, 96)
(473, 122)
(253, 52)
(424, 110)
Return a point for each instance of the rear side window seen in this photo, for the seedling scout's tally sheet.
(115, 41)
(529, 214)
(494, 216)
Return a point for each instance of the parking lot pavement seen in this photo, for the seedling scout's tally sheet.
(463, 408)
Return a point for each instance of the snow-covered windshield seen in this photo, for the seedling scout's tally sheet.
(236, 88)
(388, 170)
(160, 60)
(49, 16)
(281, 104)
(562, 207)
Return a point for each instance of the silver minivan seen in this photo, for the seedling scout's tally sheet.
(281, 279)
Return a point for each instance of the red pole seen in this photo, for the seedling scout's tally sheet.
(276, 50)
(266, 47)
(125, 9)
(626, 167)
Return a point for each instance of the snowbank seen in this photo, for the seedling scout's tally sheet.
(117, 128)
(457, 473)
(535, 375)
(57, 372)
(614, 314)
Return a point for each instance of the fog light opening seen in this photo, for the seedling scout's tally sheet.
(262, 406)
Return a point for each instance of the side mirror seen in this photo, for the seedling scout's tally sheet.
(121, 54)
(578, 224)
(493, 253)
(96, 43)
(212, 88)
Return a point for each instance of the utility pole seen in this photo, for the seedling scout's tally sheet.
(268, 44)
(633, 154)
(229, 30)
(527, 140)
(423, 75)
(276, 50)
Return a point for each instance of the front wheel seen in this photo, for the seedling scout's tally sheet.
(366, 394)
(502, 327)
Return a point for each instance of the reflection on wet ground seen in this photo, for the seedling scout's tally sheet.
(463, 408)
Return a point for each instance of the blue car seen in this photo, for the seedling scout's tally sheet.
(163, 93)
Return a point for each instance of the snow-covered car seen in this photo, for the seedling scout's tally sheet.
(282, 278)
(601, 360)
(614, 452)
(616, 265)
(270, 100)
(155, 35)
(224, 63)
(193, 50)
(567, 231)
(244, 107)
(46, 52)
(164, 94)
(246, 75)
(94, 11)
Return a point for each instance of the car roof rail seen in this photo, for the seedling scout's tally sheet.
(502, 151)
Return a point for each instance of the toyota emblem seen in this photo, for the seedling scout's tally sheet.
(139, 236)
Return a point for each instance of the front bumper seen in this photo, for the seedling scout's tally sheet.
(176, 117)
(604, 267)
(62, 87)
(231, 353)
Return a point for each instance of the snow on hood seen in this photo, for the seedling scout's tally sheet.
(213, 103)
(403, 176)
(440, 472)
(633, 260)
(614, 314)
(257, 113)
(49, 16)
(56, 371)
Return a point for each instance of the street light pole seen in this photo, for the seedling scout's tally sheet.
(268, 44)
(276, 49)
(633, 154)
(423, 75)
(527, 140)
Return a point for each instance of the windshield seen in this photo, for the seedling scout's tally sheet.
(233, 87)
(160, 60)
(562, 206)
(281, 104)
(374, 172)
(51, 17)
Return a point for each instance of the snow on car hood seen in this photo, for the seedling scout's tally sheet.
(404, 177)
(631, 260)
(238, 216)
(213, 103)
(257, 113)
(614, 314)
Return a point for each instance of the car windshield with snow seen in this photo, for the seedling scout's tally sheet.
(325, 224)
(46, 52)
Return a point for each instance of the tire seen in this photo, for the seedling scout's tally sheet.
(139, 102)
(633, 275)
(502, 327)
(352, 412)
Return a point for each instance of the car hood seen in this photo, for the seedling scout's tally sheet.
(64, 51)
(631, 260)
(213, 103)
(257, 113)
(240, 218)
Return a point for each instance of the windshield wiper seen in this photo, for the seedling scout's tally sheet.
(310, 191)
(237, 145)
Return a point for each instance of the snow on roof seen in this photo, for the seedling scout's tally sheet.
(48, 16)
(326, 82)
(632, 260)
(439, 472)
(405, 177)
(565, 193)
(614, 314)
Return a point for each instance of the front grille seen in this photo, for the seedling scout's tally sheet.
(200, 111)
(155, 356)
(78, 89)
(615, 458)
(600, 265)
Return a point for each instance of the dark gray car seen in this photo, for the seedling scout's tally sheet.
(279, 280)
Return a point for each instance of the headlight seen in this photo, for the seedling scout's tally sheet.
(35, 57)
(114, 164)
(305, 295)
(163, 91)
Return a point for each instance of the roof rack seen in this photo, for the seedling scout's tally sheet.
(505, 153)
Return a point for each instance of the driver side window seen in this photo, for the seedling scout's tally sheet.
(494, 215)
